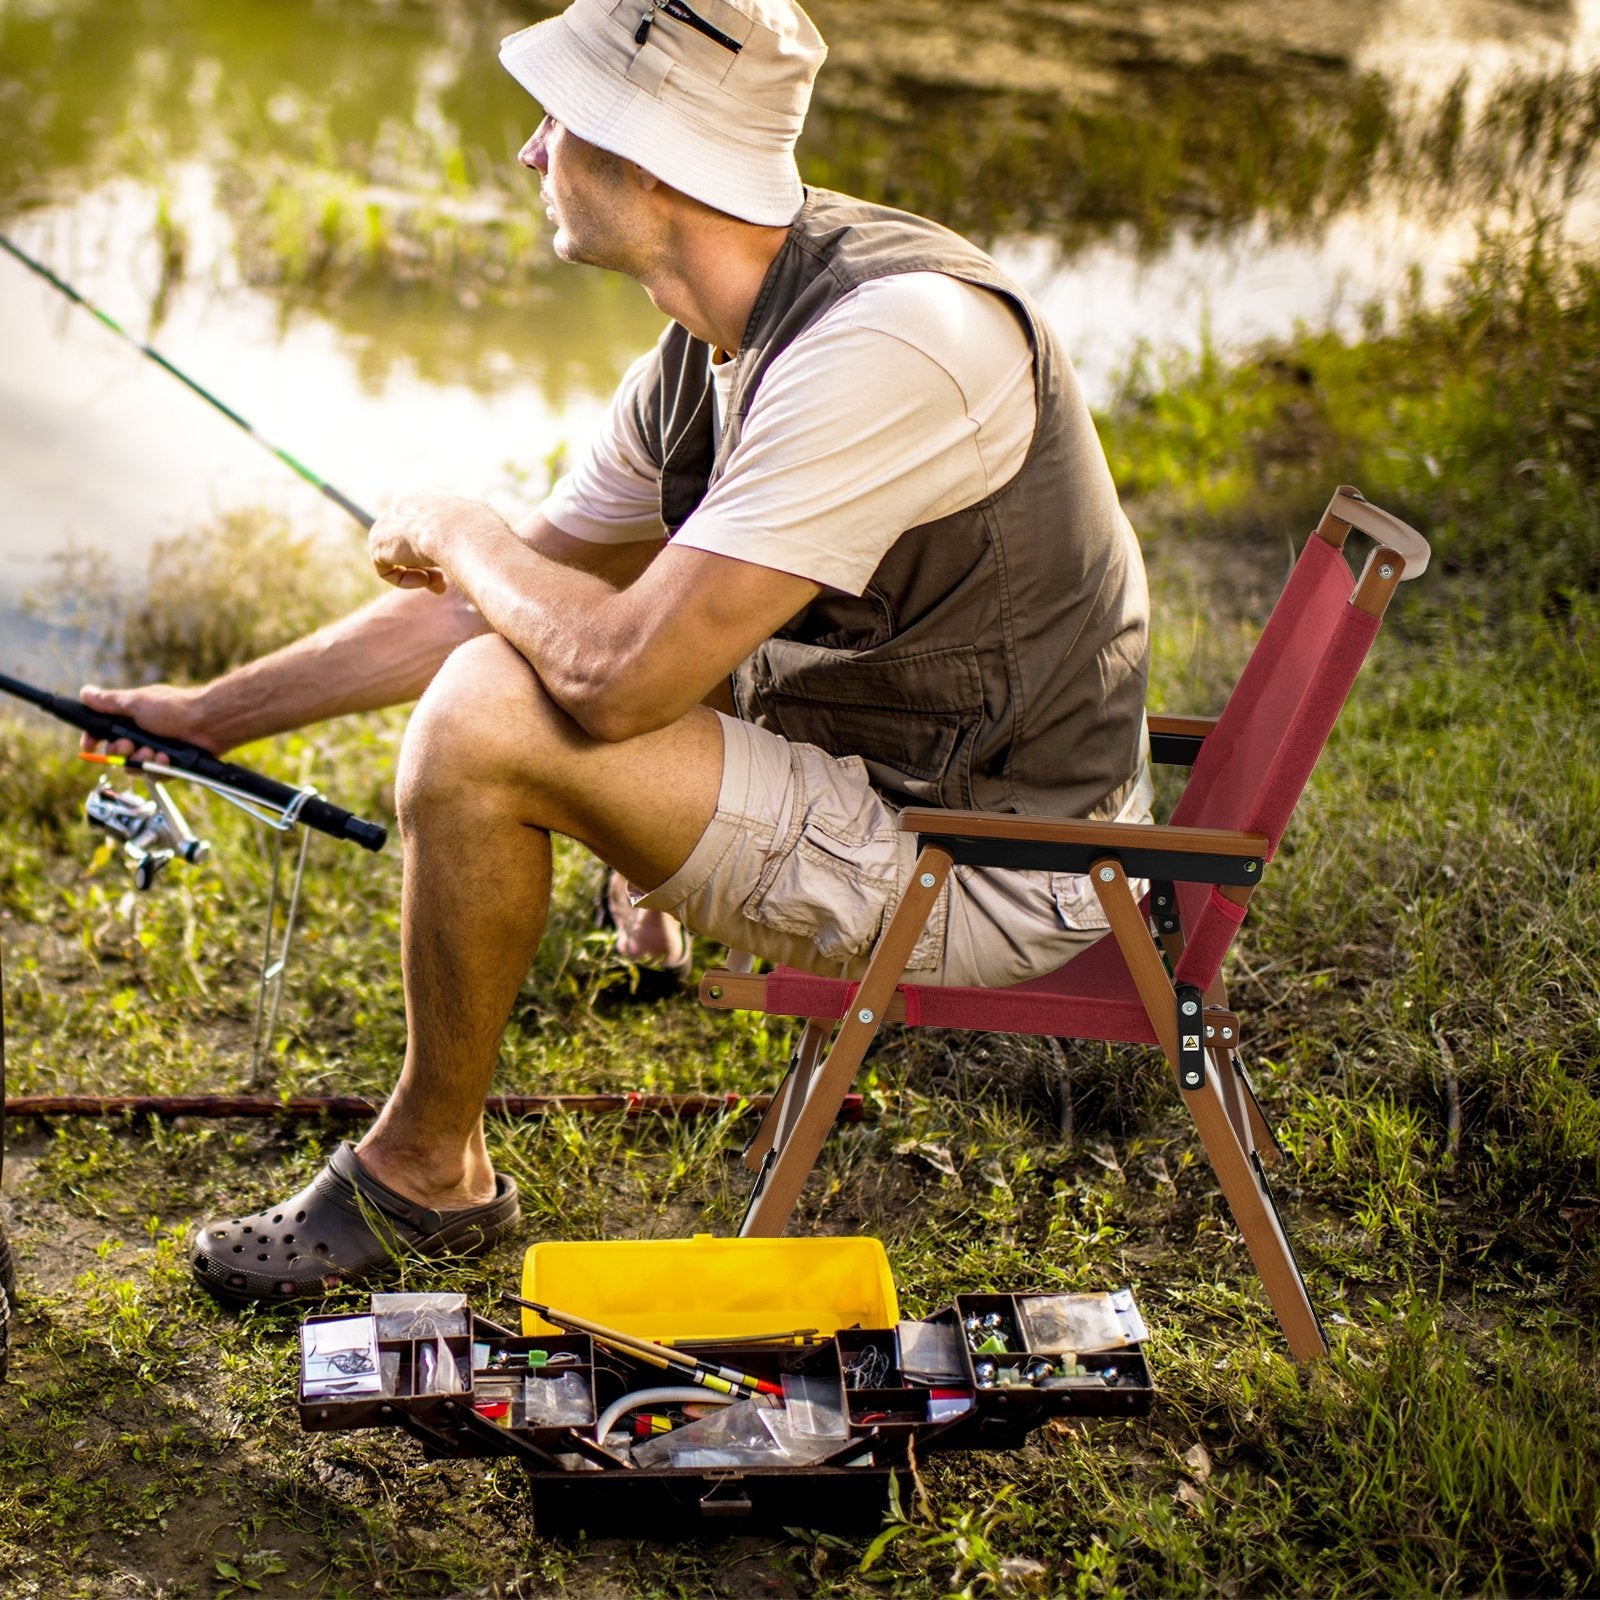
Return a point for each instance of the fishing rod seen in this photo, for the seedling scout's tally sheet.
(235, 783)
(633, 1105)
(154, 832)
(294, 465)
(264, 797)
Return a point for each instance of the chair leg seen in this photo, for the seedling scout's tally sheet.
(1219, 1045)
(785, 1105)
(789, 1162)
(1262, 1138)
(1255, 1132)
(1242, 1183)
(1257, 1218)
(1232, 1092)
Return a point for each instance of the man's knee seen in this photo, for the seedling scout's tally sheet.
(485, 722)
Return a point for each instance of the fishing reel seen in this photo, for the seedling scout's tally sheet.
(153, 831)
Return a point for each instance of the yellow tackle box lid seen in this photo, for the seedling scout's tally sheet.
(711, 1288)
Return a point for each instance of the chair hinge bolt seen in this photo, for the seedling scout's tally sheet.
(1227, 1033)
(1189, 1008)
(1211, 1032)
(1386, 571)
(1107, 874)
(863, 1015)
(715, 991)
(926, 880)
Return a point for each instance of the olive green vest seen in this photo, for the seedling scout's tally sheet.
(999, 655)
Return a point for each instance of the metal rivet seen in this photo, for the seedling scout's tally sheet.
(1107, 874)
(1211, 1032)
(1189, 1008)
(715, 991)
(1386, 571)
(1227, 1033)
(1250, 866)
(863, 1015)
(926, 880)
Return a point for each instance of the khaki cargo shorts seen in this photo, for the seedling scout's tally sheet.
(803, 864)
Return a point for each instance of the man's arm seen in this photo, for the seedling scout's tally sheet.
(619, 661)
(383, 654)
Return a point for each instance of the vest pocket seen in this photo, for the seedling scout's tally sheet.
(912, 718)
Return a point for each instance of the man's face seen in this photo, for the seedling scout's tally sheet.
(591, 197)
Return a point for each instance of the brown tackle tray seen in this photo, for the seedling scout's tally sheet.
(577, 1486)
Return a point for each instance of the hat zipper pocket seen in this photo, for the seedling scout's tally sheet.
(677, 10)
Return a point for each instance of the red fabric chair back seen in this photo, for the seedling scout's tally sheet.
(1256, 762)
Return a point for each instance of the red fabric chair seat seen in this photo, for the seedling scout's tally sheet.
(1091, 997)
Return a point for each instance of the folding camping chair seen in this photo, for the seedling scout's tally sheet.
(1249, 767)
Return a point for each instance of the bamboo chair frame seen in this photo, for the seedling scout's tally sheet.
(1217, 869)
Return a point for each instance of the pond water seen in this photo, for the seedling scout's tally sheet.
(312, 207)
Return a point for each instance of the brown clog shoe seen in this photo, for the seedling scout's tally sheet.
(343, 1227)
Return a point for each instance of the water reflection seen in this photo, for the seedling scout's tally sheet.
(355, 138)
(314, 206)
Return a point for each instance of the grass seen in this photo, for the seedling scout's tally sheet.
(1418, 985)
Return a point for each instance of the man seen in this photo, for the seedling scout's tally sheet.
(846, 541)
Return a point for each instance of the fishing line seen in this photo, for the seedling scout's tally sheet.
(298, 467)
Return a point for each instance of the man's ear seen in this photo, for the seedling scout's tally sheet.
(646, 180)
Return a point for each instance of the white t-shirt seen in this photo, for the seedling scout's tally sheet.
(909, 399)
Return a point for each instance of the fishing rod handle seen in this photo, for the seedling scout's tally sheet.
(313, 810)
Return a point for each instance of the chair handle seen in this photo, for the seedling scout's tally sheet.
(1072, 844)
(1348, 509)
(939, 822)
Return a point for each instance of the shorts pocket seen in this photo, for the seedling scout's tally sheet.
(928, 952)
(1077, 904)
(837, 902)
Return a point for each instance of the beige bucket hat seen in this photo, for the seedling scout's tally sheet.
(710, 98)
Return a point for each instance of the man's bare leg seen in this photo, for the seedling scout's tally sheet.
(489, 769)
(651, 938)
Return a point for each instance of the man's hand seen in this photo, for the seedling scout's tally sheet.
(162, 708)
(410, 542)
(624, 644)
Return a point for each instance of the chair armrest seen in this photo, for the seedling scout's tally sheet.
(1176, 741)
(1070, 844)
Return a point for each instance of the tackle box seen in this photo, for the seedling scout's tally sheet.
(708, 1287)
(860, 1398)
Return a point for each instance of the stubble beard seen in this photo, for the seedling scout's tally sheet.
(588, 250)
(596, 228)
